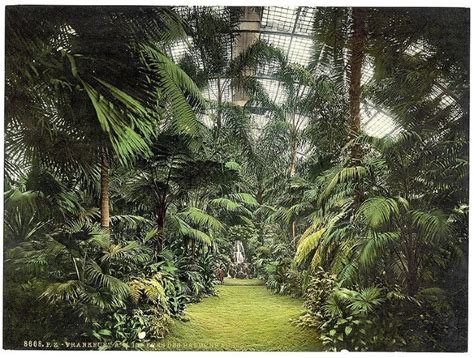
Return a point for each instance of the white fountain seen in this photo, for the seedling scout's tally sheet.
(239, 252)
(239, 268)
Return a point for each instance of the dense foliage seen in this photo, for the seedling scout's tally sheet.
(125, 189)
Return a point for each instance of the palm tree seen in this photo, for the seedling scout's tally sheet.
(73, 70)
(305, 90)
(180, 186)
(333, 238)
(357, 58)
(212, 34)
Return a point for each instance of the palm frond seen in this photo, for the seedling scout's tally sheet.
(200, 218)
(308, 245)
(433, 225)
(344, 175)
(112, 284)
(377, 245)
(378, 211)
(61, 292)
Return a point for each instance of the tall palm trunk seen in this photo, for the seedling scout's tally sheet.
(293, 145)
(104, 191)
(292, 168)
(412, 275)
(357, 45)
(160, 225)
(293, 234)
(258, 216)
(412, 265)
(160, 212)
(219, 108)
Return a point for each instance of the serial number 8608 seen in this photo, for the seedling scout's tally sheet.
(35, 344)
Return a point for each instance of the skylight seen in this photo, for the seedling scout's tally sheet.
(290, 29)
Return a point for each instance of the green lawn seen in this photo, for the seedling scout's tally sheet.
(244, 316)
(239, 282)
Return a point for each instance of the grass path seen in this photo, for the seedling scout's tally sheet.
(244, 316)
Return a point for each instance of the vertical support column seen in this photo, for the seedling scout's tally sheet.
(249, 34)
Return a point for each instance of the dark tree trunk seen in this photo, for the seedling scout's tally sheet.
(104, 192)
(293, 145)
(292, 169)
(412, 268)
(259, 196)
(160, 224)
(293, 234)
(219, 109)
(357, 57)
(412, 276)
(258, 216)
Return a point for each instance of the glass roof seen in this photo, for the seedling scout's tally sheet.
(290, 29)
